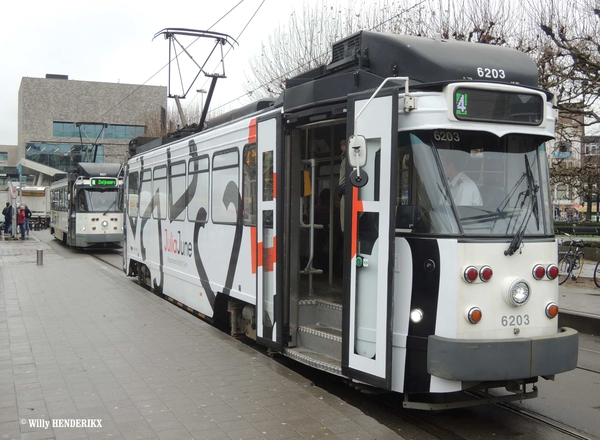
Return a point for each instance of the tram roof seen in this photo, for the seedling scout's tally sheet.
(361, 61)
(87, 170)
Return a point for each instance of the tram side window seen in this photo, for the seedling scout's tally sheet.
(133, 194)
(159, 191)
(177, 194)
(146, 194)
(197, 193)
(62, 204)
(225, 192)
(249, 190)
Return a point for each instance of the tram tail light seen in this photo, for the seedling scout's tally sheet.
(474, 315)
(538, 272)
(470, 274)
(552, 271)
(551, 310)
(485, 273)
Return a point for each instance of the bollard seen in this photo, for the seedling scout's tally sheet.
(40, 257)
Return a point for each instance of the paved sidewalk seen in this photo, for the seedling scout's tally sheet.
(579, 302)
(81, 341)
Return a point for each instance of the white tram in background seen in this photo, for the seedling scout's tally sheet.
(86, 206)
(398, 282)
(37, 199)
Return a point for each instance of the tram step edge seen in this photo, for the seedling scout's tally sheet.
(321, 339)
(320, 311)
(315, 360)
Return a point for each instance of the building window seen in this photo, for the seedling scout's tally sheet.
(63, 156)
(93, 131)
(591, 149)
(561, 192)
(3, 156)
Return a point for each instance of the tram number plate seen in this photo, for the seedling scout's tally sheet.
(512, 320)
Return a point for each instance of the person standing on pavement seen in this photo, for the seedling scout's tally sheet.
(21, 216)
(7, 212)
(27, 219)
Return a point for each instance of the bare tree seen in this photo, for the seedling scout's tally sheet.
(566, 48)
(304, 42)
(562, 37)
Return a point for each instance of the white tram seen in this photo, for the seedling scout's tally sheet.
(86, 206)
(431, 273)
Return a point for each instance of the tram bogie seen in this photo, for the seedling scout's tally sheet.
(421, 261)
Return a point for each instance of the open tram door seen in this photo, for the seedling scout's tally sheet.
(369, 238)
(269, 303)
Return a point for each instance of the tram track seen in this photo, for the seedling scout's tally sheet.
(387, 408)
(557, 426)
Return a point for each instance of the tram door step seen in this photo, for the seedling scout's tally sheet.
(319, 327)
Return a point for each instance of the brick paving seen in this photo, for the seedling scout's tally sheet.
(81, 341)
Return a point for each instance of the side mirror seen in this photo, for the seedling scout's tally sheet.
(357, 151)
(357, 158)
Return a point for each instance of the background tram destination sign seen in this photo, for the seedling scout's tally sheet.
(498, 106)
(103, 181)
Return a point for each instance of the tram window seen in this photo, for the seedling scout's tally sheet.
(81, 201)
(267, 176)
(225, 192)
(372, 168)
(197, 193)
(133, 191)
(249, 189)
(146, 194)
(177, 195)
(159, 191)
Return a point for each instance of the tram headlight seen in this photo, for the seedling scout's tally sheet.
(104, 223)
(517, 292)
(416, 315)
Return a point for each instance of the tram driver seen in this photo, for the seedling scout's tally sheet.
(464, 190)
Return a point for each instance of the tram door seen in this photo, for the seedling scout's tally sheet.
(269, 313)
(369, 244)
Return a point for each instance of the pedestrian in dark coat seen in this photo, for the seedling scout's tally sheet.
(8, 213)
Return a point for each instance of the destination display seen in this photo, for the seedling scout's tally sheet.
(103, 181)
(498, 106)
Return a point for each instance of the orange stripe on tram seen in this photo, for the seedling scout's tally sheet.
(252, 131)
(253, 255)
(357, 206)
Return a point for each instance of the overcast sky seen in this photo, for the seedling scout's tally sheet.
(111, 41)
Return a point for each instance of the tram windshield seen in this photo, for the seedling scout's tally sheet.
(472, 183)
(98, 200)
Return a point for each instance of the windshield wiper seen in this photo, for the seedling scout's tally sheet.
(532, 208)
(111, 205)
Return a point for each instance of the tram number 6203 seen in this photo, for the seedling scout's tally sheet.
(512, 320)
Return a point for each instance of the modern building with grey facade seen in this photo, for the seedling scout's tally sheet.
(62, 122)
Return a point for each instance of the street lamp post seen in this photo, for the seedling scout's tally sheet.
(202, 92)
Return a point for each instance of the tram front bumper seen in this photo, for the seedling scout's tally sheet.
(503, 359)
